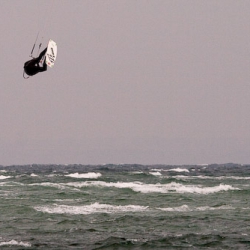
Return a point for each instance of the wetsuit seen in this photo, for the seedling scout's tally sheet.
(32, 66)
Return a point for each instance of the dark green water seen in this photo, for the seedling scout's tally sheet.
(125, 207)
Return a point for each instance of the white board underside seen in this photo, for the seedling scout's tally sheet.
(51, 53)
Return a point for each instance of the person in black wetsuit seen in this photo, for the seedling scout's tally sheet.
(32, 66)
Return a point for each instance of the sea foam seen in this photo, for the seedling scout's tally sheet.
(172, 187)
(209, 177)
(178, 170)
(2, 177)
(89, 209)
(105, 208)
(15, 243)
(155, 173)
(87, 175)
(186, 208)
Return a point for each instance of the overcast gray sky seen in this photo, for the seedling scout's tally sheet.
(135, 81)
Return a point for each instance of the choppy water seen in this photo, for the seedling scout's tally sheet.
(125, 207)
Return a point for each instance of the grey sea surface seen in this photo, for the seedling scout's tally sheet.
(125, 207)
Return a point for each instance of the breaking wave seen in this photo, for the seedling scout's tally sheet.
(89, 209)
(15, 243)
(172, 187)
(105, 208)
(87, 175)
(2, 177)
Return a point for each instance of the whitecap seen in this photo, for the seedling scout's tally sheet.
(2, 177)
(207, 208)
(15, 243)
(90, 175)
(177, 170)
(155, 173)
(172, 187)
(89, 209)
(51, 175)
(137, 172)
(186, 208)
(210, 177)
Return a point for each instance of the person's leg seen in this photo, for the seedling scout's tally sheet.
(30, 63)
(42, 54)
(44, 67)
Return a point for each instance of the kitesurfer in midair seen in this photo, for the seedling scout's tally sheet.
(32, 66)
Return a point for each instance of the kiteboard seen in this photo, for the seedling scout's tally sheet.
(51, 53)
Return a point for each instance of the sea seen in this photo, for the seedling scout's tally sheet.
(125, 206)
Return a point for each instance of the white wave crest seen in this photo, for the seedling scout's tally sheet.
(137, 172)
(15, 243)
(2, 177)
(186, 208)
(87, 175)
(89, 209)
(105, 208)
(177, 170)
(209, 177)
(155, 173)
(172, 187)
